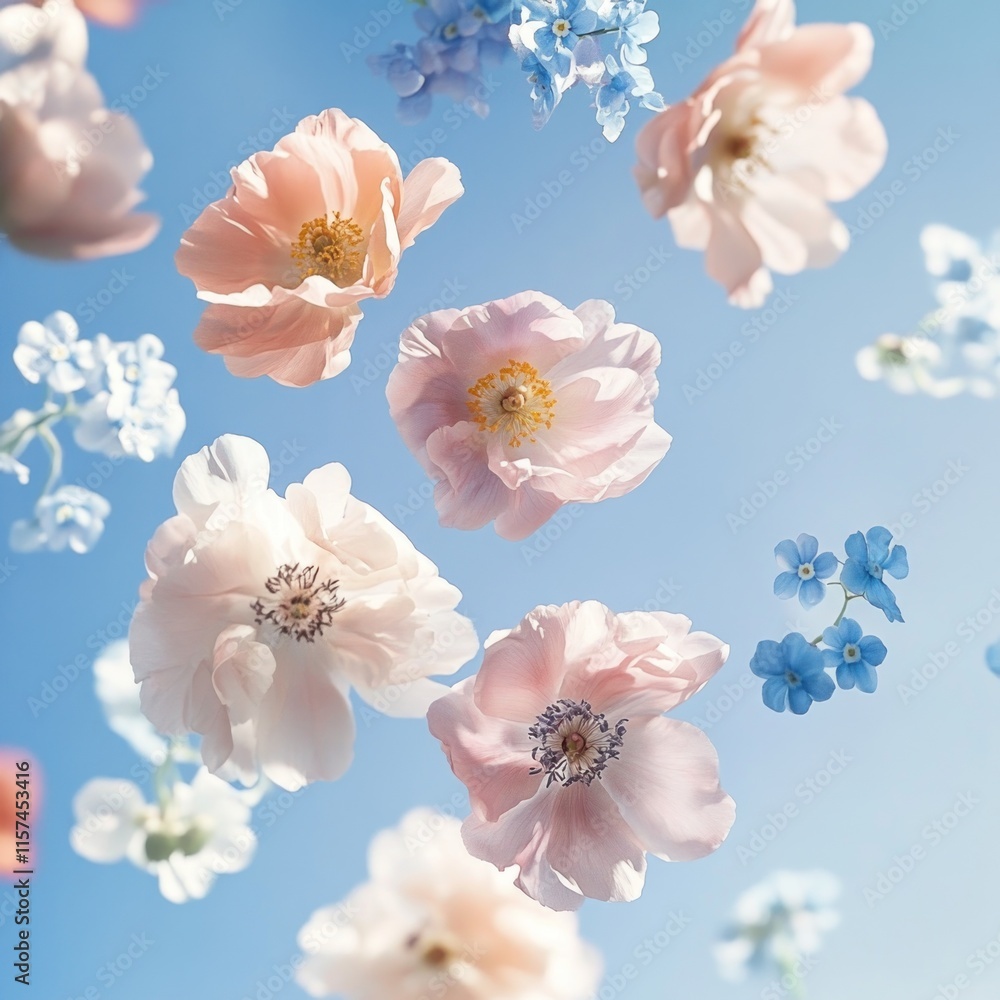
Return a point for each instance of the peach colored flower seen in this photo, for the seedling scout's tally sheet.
(744, 167)
(20, 794)
(519, 406)
(115, 13)
(435, 922)
(306, 233)
(68, 166)
(572, 771)
(261, 614)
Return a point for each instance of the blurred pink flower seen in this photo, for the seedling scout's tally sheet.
(519, 406)
(573, 773)
(744, 167)
(305, 234)
(115, 13)
(262, 612)
(69, 167)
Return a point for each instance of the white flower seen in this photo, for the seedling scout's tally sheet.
(435, 922)
(134, 411)
(778, 921)
(119, 696)
(16, 433)
(907, 364)
(50, 351)
(262, 612)
(197, 832)
(71, 516)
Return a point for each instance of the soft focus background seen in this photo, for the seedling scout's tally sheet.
(229, 78)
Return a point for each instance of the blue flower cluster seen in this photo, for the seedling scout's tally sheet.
(795, 669)
(559, 43)
(459, 36)
(132, 410)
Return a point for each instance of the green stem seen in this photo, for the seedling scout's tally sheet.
(51, 443)
(848, 597)
(42, 419)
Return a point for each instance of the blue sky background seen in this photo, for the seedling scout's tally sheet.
(234, 83)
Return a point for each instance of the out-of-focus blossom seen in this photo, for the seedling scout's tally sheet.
(261, 613)
(115, 13)
(118, 694)
(51, 351)
(307, 232)
(777, 923)
(16, 433)
(69, 517)
(433, 921)
(519, 406)
(572, 770)
(192, 834)
(744, 167)
(20, 792)
(69, 166)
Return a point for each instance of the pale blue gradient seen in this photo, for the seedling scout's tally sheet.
(227, 79)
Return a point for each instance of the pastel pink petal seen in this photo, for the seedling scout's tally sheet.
(829, 57)
(242, 671)
(468, 495)
(30, 189)
(490, 756)
(769, 22)
(428, 190)
(666, 787)
(88, 239)
(527, 511)
(665, 173)
(734, 259)
(233, 470)
(385, 249)
(692, 225)
(422, 397)
(305, 726)
(116, 13)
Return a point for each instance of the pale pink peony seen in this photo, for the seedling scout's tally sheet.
(519, 406)
(435, 922)
(306, 233)
(261, 613)
(69, 167)
(744, 167)
(572, 771)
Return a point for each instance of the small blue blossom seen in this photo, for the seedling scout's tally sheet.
(854, 655)
(868, 558)
(555, 28)
(545, 90)
(612, 101)
(50, 351)
(794, 673)
(636, 27)
(71, 516)
(993, 658)
(804, 569)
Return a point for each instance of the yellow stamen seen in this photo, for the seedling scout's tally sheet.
(515, 402)
(324, 248)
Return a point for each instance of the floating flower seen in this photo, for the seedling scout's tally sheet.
(68, 166)
(777, 923)
(993, 657)
(69, 517)
(744, 167)
(306, 233)
(519, 406)
(434, 921)
(794, 672)
(854, 655)
(805, 570)
(868, 558)
(572, 771)
(195, 832)
(114, 13)
(50, 351)
(262, 612)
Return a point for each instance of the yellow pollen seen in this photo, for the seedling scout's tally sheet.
(324, 247)
(515, 402)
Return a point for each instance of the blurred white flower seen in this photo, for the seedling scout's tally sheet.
(196, 832)
(71, 516)
(777, 922)
(436, 922)
(50, 351)
(119, 696)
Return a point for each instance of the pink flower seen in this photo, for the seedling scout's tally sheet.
(261, 613)
(519, 406)
(745, 166)
(306, 233)
(115, 13)
(573, 773)
(69, 167)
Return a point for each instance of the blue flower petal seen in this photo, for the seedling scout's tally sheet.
(897, 565)
(866, 676)
(993, 658)
(808, 547)
(786, 584)
(832, 658)
(788, 552)
(880, 596)
(873, 650)
(775, 694)
(833, 638)
(768, 660)
(855, 576)
(825, 565)
(802, 656)
(878, 543)
(819, 685)
(851, 631)
(845, 676)
(811, 593)
(857, 548)
(799, 700)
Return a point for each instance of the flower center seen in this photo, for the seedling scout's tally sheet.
(515, 402)
(792, 678)
(297, 605)
(875, 570)
(574, 743)
(806, 571)
(59, 352)
(450, 32)
(561, 27)
(851, 654)
(324, 247)
(65, 512)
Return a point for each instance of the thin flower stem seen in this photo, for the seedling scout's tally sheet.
(848, 597)
(42, 418)
(51, 442)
